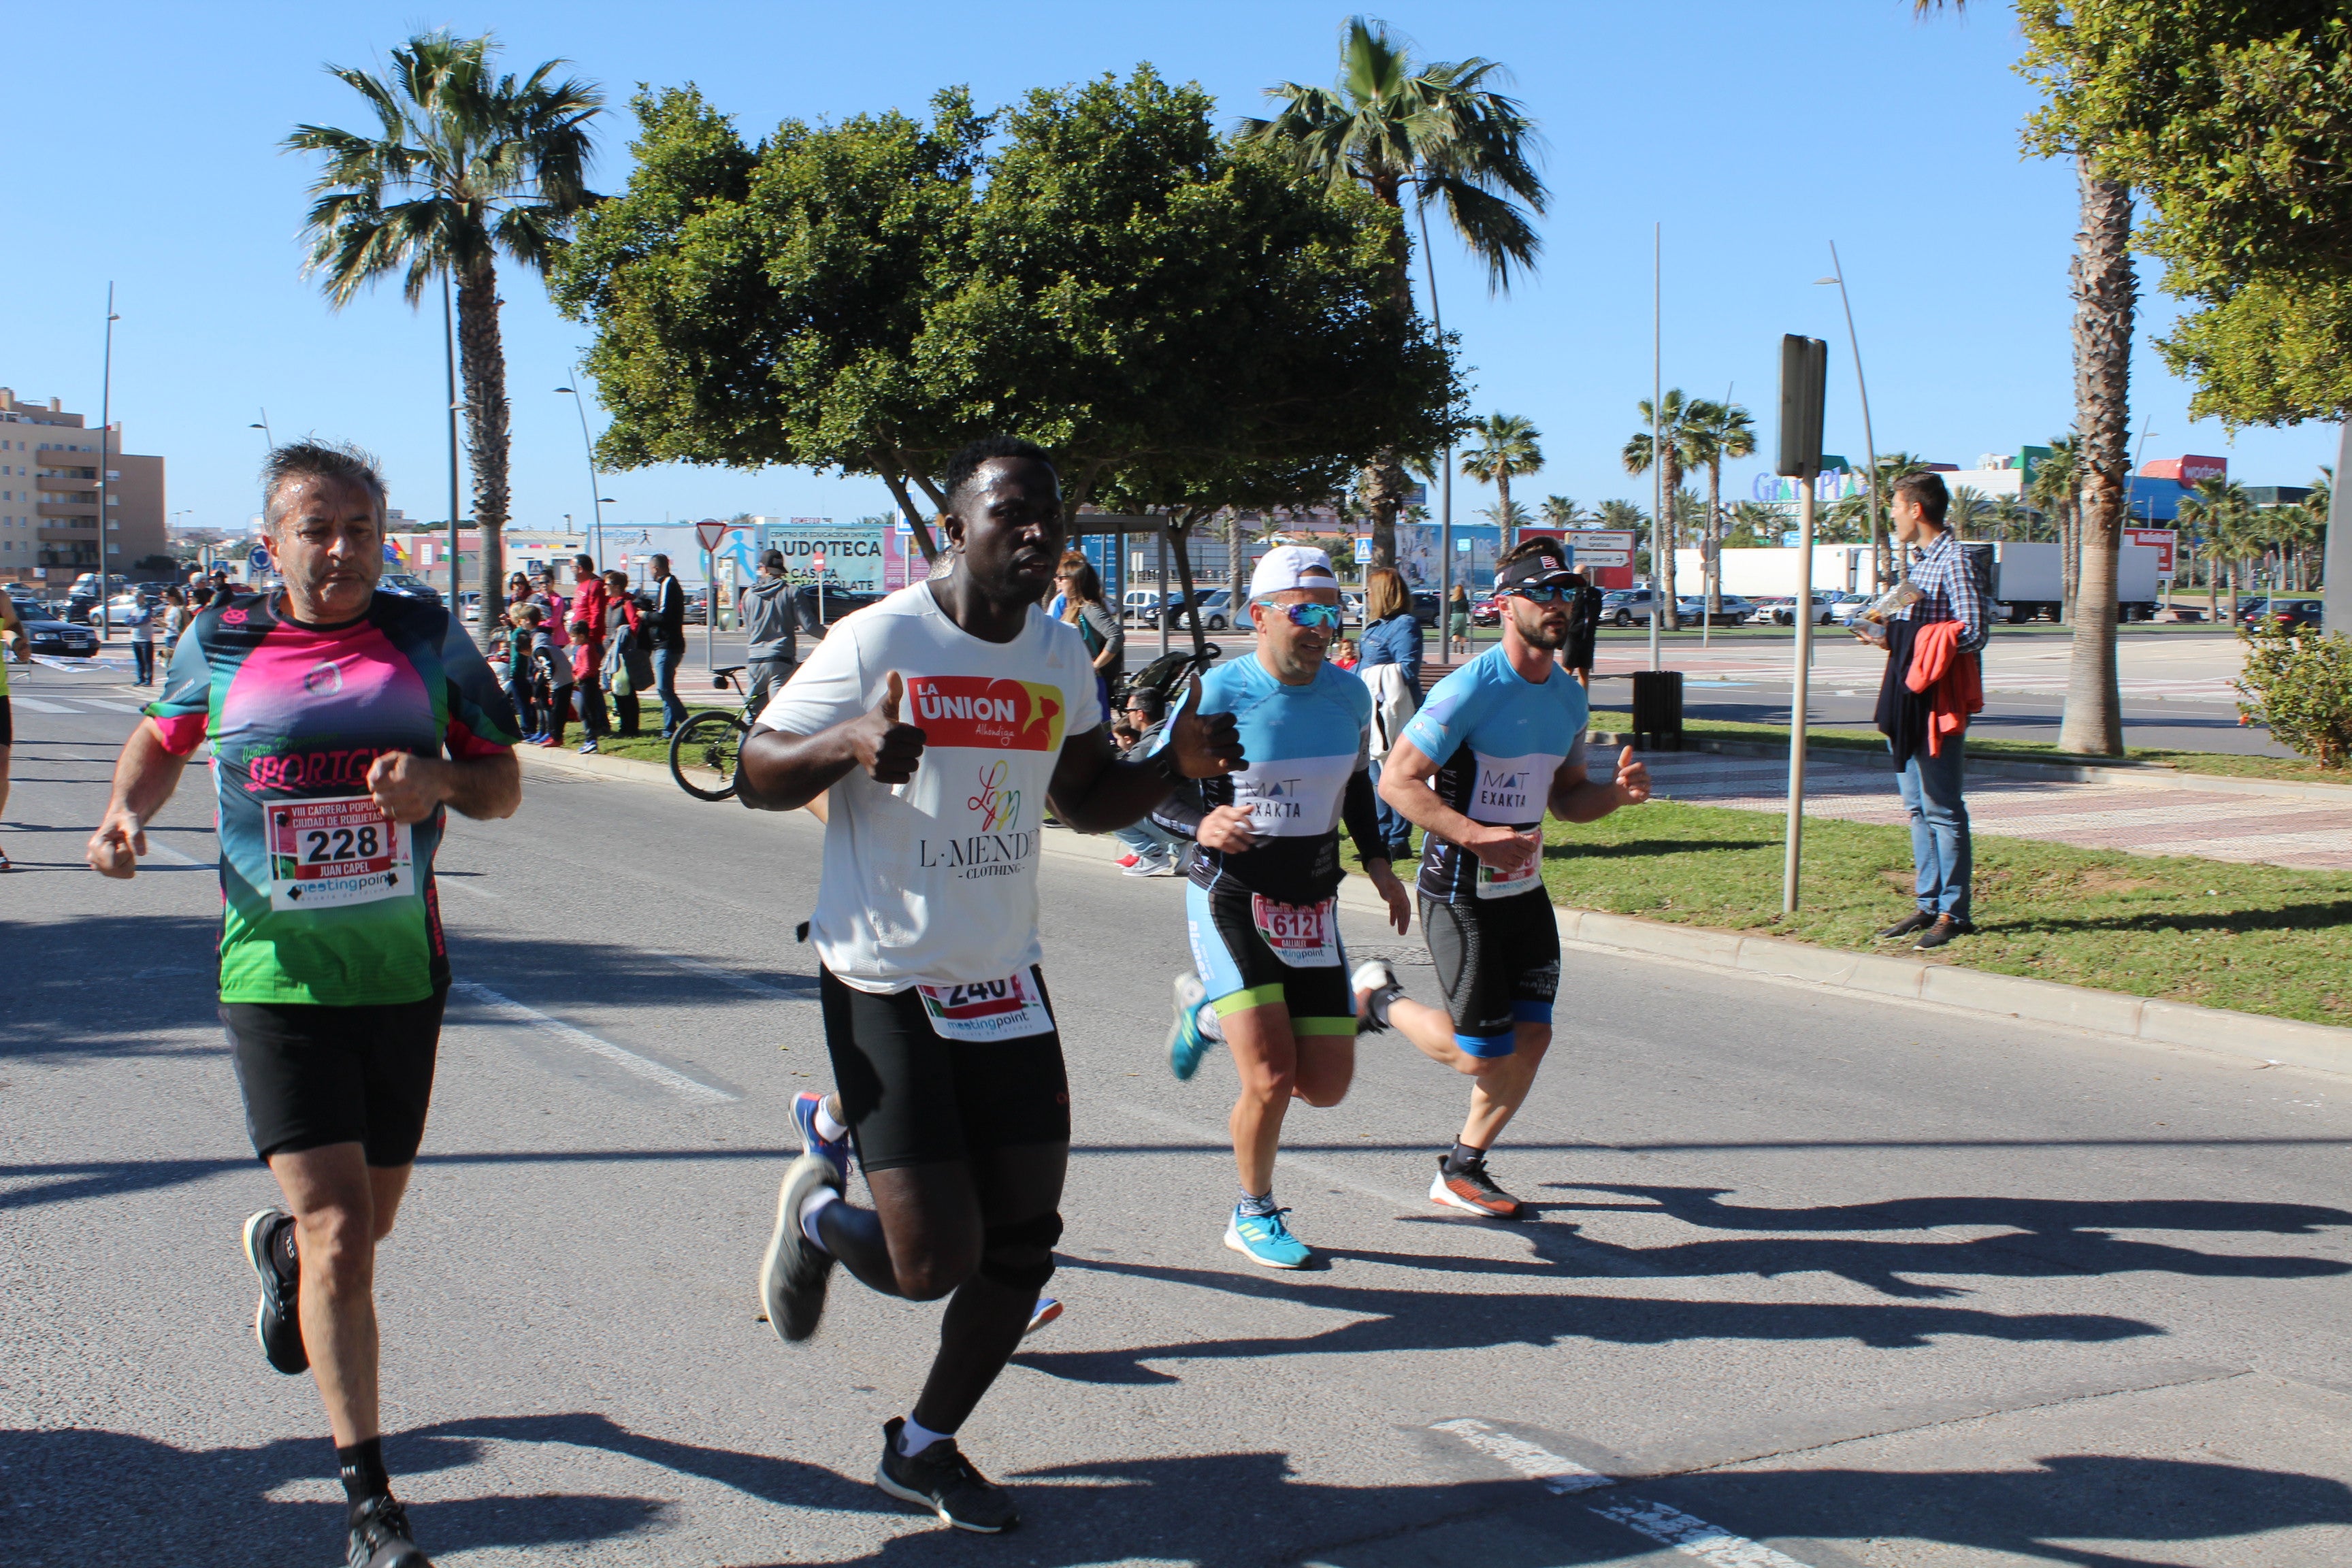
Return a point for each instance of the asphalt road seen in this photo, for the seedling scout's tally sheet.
(1850, 1283)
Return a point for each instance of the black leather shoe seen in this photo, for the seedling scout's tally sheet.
(1945, 928)
(1918, 920)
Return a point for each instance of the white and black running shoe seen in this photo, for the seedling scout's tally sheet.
(380, 1539)
(793, 1272)
(941, 1479)
(278, 1321)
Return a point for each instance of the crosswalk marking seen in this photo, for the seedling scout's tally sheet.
(514, 1012)
(38, 706)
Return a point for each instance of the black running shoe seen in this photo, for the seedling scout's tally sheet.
(380, 1539)
(942, 1480)
(793, 1272)
(278, 1321)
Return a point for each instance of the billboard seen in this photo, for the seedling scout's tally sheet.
(853, 553)
(2188, 473)
(2160, 540)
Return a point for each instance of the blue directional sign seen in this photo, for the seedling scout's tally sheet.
(1364, 553)
(259, 558)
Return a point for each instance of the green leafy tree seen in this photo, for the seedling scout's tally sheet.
(463, 165)
(1623, 515)
(1677, 450)
(2298, 683)
(1508, 445)
(1754, 525)
(1970, 513)
(1170, 313)
(1507, 514)
(1435, 131)
(1719, 432)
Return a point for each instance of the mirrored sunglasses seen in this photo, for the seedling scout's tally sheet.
(1545, 596)
(1326, 616)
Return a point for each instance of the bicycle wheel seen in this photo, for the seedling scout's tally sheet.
(709, 742)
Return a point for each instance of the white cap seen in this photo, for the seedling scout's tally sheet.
(1292, 566)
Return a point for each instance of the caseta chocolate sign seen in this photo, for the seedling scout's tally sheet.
(852, 554)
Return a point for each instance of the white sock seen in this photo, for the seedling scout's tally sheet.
(812, 1207)
(829, 1130)
(914, 1437)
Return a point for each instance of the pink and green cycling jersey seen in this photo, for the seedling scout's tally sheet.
(326, 899)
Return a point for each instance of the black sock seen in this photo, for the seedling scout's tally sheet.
(1463, 1157)
(363, 1474)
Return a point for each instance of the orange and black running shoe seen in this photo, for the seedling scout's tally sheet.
(1473, 1190)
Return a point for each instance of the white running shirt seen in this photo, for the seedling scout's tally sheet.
(935, 882)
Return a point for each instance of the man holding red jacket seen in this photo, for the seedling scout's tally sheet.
(1931, 686)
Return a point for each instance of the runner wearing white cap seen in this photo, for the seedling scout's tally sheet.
(1263, 906)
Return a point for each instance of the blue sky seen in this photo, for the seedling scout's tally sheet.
(1754, 133)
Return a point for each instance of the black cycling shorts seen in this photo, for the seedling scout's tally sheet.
(1239, 969)
(312, 1076)
(1499, 962)
(913, 1096)
(8, 723)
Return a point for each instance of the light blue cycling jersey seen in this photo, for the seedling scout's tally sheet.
(1307, 750)
(1498, 738)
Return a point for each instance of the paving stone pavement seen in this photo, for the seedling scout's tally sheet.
(2144, 819)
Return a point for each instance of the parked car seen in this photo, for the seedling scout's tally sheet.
(1213, 607)
(2286, 612)
(1733, 609)
(470, 605)
(57, 638)
(408, 586)
(1627, 606)
(1143, 604)
(1487, 611)
(813, 619)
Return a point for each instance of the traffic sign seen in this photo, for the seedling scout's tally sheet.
(710, 532)
(1587, 540)
(816, 561)
(1600, 557)
(259, 560)
(1364, 553)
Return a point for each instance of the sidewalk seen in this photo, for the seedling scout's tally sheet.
(2175, 820)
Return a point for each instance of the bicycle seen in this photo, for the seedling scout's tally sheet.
(712, 740)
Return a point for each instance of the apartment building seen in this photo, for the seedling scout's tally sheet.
(50, 526)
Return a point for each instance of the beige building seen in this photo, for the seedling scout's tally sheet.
(50, 526)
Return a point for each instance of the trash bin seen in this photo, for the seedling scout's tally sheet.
(1657, 711)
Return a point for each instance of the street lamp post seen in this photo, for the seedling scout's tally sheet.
(105, 456)
(262, 424)
(449, 364)
(579, 406)
(1869, 446)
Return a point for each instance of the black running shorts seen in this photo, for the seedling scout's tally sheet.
(912, 1096)
(8, 723)
(1498, 962)
(1239, 968)
(313, 1076)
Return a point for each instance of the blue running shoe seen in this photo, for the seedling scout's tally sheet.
(1047, 1309)
(1186, 1043)
(804, 1109)
(1263, 1239)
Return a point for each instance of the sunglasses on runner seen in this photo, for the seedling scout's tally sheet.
(1325, 617)
(1544, 595)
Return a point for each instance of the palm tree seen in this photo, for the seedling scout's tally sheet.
(1672, 423)
(1623, 515)
(1970, 510)
(462, 164)
(1436, 131)
(1718, 431)
(1507, 514)
(1559, 511)
(1753, 523)
(2055, 493)
(2220, 510)
(1506, 445)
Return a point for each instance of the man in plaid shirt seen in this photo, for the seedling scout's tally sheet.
(1930, 779)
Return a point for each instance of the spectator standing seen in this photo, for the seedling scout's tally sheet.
(551, 673)
(1391, 643)
(553, 607)
(627, 670)
(175, 618)
(667, 642)
(1151, 849)
(515, 667)
(141, 622)
(770, 625)
(1457, 624)
(586, 620)
(1082, 607)
(1932, 684)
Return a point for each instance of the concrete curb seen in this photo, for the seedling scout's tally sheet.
(2247, 1034)
(2149, 775)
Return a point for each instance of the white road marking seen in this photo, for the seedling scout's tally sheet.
(37, 706)
(741, 982)
(117, 707)
(443, 881)
(158, 850)
(628, 1061)
(1559, 1475)
(1686, 1533)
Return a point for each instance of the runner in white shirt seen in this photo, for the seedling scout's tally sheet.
(942, 720)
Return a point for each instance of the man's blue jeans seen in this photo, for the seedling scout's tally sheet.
(1396, 831)
(1148, 838)
(666, 683)
(1940, 851)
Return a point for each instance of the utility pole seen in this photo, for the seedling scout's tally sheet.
(449, 358)
(105, 456)
(1878, 564)
(1657, 439)
(1804, 372)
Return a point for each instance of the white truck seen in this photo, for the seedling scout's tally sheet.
(2028, 580)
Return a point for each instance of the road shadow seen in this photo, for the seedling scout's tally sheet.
(1386, 1320)
(1634, 848)
(2286, 917)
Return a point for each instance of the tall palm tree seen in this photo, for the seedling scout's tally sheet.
(1559, 511)
(1507, 514)
(2056, 493)
(462, 165)
(1672, 422)
(1506, 445)
(1718, 431)
(2219, 509)
(1435, 131)
(1970, 512)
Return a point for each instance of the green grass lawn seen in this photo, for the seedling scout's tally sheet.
(2296, 770)
(646, 745)
(2258, 939)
